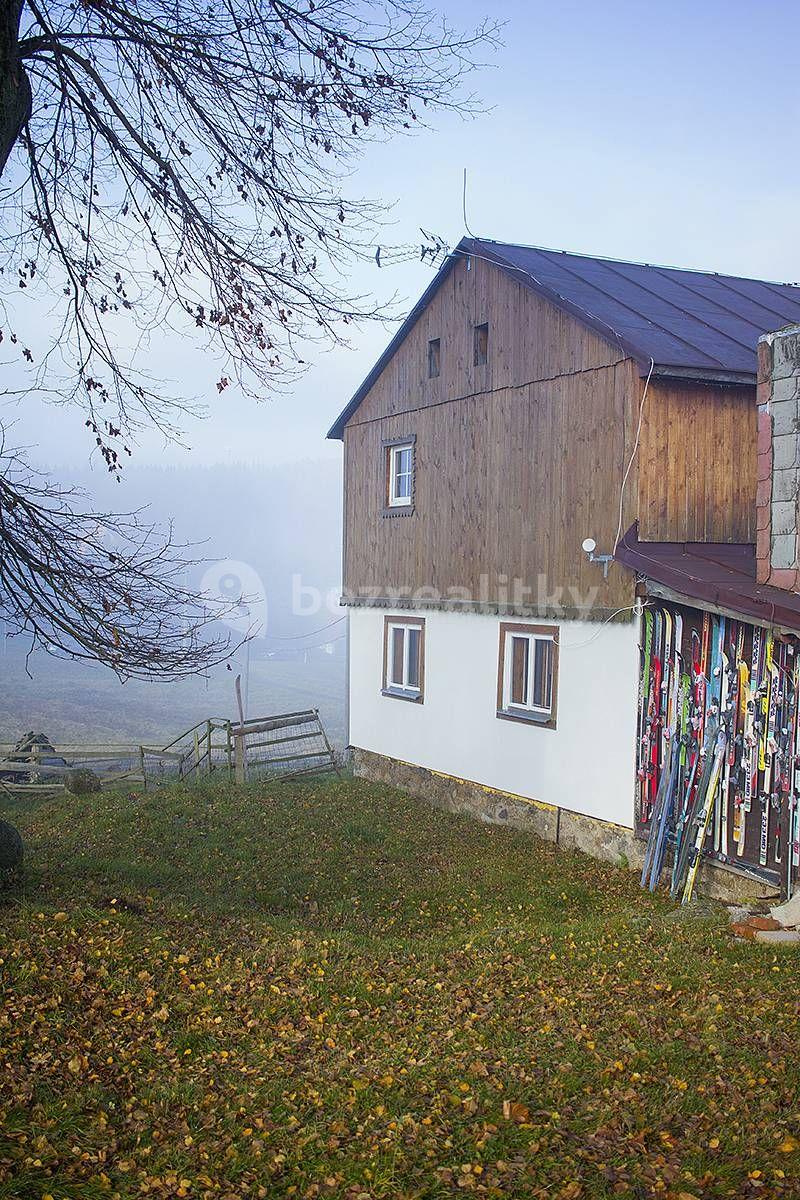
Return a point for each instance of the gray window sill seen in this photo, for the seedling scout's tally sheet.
(401, 694)
(543, 720)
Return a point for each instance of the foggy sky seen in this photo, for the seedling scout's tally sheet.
(654, 133)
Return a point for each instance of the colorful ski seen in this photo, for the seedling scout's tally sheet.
(765, 751)
(705, 814)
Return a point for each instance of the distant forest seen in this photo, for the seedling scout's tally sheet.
(279, 522)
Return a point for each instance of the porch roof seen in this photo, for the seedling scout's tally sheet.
(715, 575)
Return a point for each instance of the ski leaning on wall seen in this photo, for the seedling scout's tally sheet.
(718, 747)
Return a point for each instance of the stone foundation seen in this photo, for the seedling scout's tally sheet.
(573, 831)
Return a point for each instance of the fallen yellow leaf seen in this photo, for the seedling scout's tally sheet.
(514, 1111)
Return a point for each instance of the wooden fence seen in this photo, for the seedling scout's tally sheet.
(284, 745)
(289, 744)
(38, 770)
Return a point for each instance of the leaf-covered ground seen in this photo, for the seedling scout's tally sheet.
(332, 990)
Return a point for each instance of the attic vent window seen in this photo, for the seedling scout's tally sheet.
(434, 357)
(480, 344)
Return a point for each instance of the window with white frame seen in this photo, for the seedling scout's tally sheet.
(404, 657)
(400, 471)
(528, 673)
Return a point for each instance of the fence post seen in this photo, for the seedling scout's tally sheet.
(209, 735)
(328, 746)
(142, 765)
(240, 757)
(229, 751)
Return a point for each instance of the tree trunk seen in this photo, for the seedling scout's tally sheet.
(15, 88)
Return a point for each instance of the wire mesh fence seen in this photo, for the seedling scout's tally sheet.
(288, 744)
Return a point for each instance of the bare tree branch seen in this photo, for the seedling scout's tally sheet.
(100, 586)
(181, 168)
(184, 167)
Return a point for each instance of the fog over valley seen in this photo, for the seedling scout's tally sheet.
(269, 536)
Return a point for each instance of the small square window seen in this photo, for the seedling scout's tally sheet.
(480, 344)
(400, 474)
(434, 358)
(527, 685)
(404, 658)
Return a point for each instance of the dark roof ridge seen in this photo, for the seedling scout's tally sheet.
(636, 262)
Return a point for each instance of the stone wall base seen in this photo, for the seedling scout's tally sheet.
(572, 831)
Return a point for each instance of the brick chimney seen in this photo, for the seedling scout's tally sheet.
(778, 399)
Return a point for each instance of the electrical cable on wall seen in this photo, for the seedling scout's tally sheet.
(633, 453)
(639, 606)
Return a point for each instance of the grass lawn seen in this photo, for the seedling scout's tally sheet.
(328, 989)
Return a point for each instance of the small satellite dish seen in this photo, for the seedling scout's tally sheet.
(589, 545)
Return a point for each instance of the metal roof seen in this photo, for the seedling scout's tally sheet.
(693, 324)
(712, 575)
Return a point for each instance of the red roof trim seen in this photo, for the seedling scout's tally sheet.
(714, 574)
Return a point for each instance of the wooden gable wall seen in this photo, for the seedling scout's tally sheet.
(517, 461)
(529, 339)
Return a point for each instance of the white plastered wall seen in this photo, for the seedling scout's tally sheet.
(586, 764)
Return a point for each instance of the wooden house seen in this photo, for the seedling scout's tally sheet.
(534, 403)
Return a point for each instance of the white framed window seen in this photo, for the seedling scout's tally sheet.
(404, 657)
(527, 685)
(400, 474)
